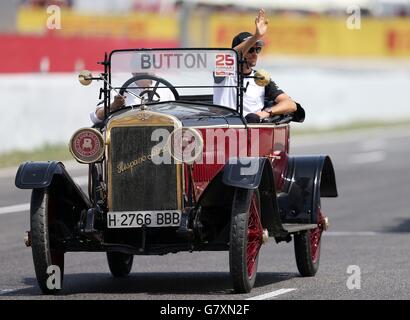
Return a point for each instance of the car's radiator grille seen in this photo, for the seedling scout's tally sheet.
(136, 182)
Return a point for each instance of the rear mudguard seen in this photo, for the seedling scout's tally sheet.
(307, 179)
(250, 174)
(51, 175)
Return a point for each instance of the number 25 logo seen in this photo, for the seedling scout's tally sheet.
(223, 60)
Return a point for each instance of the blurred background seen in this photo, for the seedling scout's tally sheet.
(346, 61)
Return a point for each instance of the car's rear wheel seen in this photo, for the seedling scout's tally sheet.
(120, 264)
(47, 257)
(307, 248)
(245, 240)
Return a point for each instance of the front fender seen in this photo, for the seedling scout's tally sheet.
(308, 178)
(244, 172)
(35, 175)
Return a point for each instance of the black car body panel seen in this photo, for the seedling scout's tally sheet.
(307, 179)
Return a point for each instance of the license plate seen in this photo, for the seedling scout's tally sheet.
(137, 219)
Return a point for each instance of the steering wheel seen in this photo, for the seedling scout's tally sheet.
(150, 93)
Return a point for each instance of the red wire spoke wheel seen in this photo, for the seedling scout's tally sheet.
(307, 247)
(255, 232)
(245, 240)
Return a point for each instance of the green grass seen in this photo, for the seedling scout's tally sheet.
(48, 152)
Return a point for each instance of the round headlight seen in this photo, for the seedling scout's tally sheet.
(185, 145)
(87, 145)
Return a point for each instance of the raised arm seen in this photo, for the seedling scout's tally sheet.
(261, 27)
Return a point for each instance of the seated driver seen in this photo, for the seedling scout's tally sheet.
(131, 97)
(253, 100)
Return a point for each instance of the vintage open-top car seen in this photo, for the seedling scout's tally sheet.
(172, 171)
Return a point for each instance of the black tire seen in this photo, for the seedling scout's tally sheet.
(120, 264)
(43, 237)
(243, 272)
(307, 248)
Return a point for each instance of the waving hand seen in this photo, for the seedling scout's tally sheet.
(261, 23)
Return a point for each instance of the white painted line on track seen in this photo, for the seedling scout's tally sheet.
(81, 181)
(351, 233)
(69, 165)
(8, 172)
(372, 145)
(6, 291)
(368, 157)
(16, 208)
(271, 294)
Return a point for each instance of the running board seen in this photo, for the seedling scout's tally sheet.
(295, 227)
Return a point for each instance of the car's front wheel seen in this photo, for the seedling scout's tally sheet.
(245, 240)
(120, 264)
(47, 257)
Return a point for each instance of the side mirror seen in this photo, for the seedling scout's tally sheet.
(262, 78)
(85, 77)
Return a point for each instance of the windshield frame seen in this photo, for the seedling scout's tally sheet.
(238, 70)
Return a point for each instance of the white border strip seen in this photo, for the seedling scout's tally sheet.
(271, 294)
(81, 181)
(16, 208)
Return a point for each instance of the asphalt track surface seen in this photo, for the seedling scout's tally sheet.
(369, 234)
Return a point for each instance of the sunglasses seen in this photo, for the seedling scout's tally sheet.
(253, 49)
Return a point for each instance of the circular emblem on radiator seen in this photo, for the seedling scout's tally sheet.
(87, 145)
(185, 145)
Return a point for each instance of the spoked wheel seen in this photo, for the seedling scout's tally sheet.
(307, 248)
(120, 263)
(47, 257)
(245, 240)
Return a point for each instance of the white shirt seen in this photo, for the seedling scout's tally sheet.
(253, 98)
